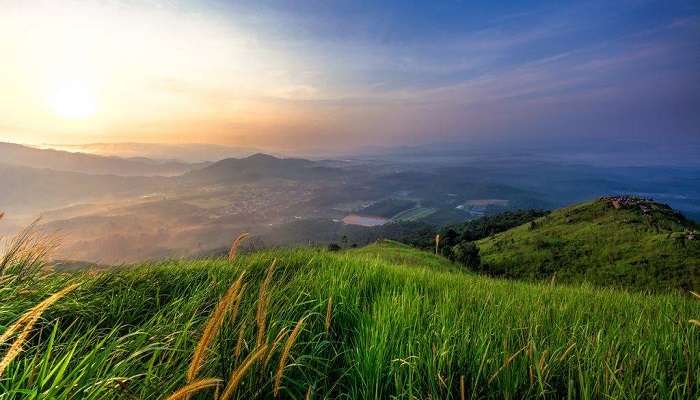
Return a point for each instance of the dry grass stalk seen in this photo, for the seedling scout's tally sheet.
(437, 243)
(29, 319)
(462, 389)
(554, 278)
(695, 294)
(280, 337)
(16, 326)
(194, 387)
(239, 342)
(234, 246)
(285, 354)
(441, 380)
(263, 304)
(695, 322)
(329, 314)
(233, 314)
(212, 328)
(240, 373)
(24, 255)
(567, 351)
(308, 394)
(505, 365)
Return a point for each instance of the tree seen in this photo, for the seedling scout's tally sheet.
(467, 254)
(450, 237)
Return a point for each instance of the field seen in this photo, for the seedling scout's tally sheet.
(414, 214)
(385, 321)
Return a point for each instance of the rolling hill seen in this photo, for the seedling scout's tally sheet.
(619, 241)
(257, 167)
(384, 321)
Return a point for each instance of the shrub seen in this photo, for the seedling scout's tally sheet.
(467, 254)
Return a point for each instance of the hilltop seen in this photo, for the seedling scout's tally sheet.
(384, 321)
(260, 166)
(615, 240)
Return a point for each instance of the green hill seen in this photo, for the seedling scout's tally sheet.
(386, 321)
(619, 241)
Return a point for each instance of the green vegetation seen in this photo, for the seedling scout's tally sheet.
(386, 321)
(388, 208)
(617, 241)
(493, 224)
(414, 214)
(396, 253)
(467, 254)
(423, 236)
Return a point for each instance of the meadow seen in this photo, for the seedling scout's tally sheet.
(384, 321)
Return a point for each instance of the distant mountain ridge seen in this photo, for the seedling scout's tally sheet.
(25, 189)
(57, 160)
(39, 187)
(186, 152)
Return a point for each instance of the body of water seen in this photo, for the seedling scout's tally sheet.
(364, 220)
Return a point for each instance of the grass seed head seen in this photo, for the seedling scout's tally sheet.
(285, 354)
(240, 341)
(329, 314)
(238, 375)
(212, 328)
(280, 337)
(233, 252)
(28, 320)
(194, 387)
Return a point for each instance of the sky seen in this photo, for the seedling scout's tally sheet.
(348, 74)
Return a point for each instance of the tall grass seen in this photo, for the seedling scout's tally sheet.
(26, 323)
(213, 326)
(396, 331)
(23, 256)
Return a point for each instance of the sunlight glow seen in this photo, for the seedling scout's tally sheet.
(73, 100)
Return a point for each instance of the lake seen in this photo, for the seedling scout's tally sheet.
(364, 220)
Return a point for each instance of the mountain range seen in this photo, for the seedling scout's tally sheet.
(25, 156)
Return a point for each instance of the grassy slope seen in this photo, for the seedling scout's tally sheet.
(397, 329)
(599, 244)
(396, 253)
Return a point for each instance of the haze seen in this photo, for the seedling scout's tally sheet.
(337, 76)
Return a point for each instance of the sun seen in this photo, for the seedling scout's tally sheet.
(73, 100)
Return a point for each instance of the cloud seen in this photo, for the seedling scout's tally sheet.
(361, 70)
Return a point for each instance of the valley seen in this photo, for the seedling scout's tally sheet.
(105, 218)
